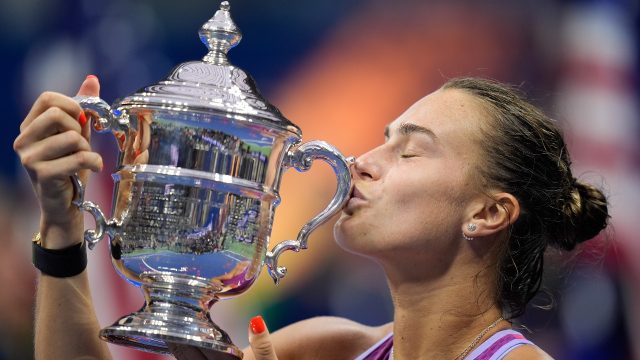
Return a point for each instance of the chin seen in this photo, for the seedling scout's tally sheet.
(348, 236)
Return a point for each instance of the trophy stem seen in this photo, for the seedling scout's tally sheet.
(175, 312)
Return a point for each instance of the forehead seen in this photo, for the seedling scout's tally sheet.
(446, 113)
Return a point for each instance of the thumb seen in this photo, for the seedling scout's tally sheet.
(90, 86)
(260, 341)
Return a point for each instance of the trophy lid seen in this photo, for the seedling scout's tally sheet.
(213, 84)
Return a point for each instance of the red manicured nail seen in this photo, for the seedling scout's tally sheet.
(82, 119)
(91, 77)
(257, 325)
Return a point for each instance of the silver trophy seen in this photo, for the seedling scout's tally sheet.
(196, 187)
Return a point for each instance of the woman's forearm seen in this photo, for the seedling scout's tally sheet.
(66, 326)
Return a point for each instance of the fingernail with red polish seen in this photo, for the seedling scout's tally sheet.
(82, 119)
(257, 325)
(91, 77)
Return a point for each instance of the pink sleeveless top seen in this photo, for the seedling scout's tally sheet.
(494, 348)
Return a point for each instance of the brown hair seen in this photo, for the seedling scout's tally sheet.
(526, 156)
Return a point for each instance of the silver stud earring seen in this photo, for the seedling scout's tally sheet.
(471, 227)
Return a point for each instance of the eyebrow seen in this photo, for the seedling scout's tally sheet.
(410, 128)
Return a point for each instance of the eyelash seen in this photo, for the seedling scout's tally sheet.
(407, 156)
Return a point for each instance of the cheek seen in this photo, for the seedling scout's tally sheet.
(423, 199)
(422, 218)
(430, 204)
(410, 214)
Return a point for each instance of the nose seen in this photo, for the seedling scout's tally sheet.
(366, 168)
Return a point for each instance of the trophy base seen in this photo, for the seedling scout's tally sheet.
(175, 313)
(158, 332)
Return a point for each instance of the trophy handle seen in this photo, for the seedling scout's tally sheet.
(301, 159)
(104, 119)
(92, 237)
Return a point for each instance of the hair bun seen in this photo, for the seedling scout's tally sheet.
(586, 214)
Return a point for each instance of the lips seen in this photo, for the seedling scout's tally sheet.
(355, 193)
(357, 199)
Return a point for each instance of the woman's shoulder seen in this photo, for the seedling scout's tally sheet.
(326, 337)
(527, 352)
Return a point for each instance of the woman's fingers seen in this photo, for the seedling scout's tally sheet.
(59, 156)
(54, 130)
(54, 147)
(68, 165)
(48, 100)
(51, 121)
(69, 146)
(260, 341)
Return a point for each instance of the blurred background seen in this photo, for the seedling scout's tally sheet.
(341, 70)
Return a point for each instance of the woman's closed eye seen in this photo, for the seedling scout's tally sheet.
(408, 151)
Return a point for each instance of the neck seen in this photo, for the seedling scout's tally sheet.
(440, 318)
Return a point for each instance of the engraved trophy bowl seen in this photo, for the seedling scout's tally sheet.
(196, 187)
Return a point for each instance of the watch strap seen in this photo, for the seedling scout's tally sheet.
(60, 263)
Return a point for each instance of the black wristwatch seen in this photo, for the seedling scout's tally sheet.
(60, 263)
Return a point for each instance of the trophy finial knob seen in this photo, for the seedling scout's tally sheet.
(220, 34)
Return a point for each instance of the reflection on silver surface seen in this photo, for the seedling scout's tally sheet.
(192, 231)
(196, 186)
(195, 200)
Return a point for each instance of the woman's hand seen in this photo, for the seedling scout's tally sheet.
(261, 347)
(53, 145)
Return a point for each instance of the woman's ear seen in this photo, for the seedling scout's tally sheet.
(491, 215)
